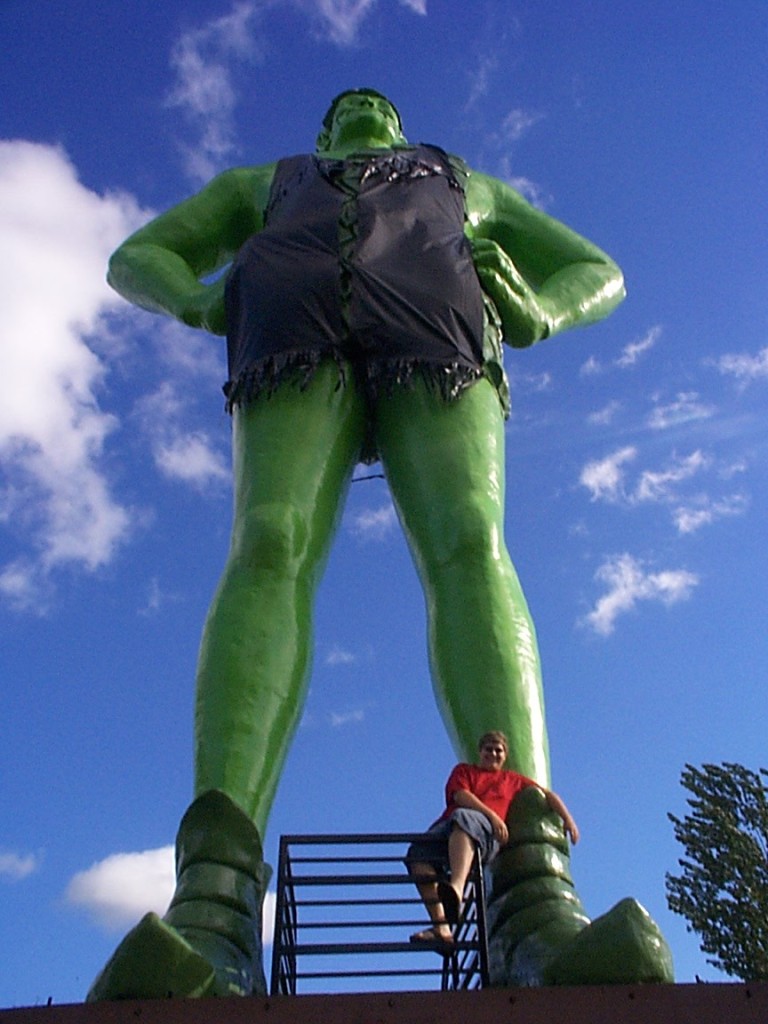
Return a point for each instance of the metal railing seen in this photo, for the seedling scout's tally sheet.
(345, 907)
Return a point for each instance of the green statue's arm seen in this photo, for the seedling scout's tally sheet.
(163, 266)
(542, 276)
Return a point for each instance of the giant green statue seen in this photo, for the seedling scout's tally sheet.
(369, 288)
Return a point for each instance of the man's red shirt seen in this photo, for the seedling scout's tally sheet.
(497, 790)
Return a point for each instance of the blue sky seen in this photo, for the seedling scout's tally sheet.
(637, 472)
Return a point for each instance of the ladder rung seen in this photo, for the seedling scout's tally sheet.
(346, 948)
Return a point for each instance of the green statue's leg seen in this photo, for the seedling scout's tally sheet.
(445, 465)
(294, 453)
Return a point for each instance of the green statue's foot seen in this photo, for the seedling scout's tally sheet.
(154, 962)
(623, 947)
(538, 931)
(209, 941)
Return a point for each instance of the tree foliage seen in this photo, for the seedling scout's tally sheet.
(723, 888)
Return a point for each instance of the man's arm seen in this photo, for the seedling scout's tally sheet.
(463, 798)
(163, 265)
(558, 806)
(542, 276)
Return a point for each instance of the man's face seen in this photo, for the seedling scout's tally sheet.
(367, 120)
(492, 756)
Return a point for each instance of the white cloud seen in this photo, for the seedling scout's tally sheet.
(605, 415)
(527, 188)
(658, 486)
(55, 238)
(632, 352)
(15, 867)
(180, 454)
(690, 518)
(627, 583)
(186, 350)
(517, 122)
(479, 75)
(157, 598)
(685, 409)
(202, 61)
(374, 523)
(341, 19)
(743, 367)
(339, 656)
(117, 891)
(740, 466)
(342, 718)
(604, 478)
(531, 383)
(189, 457)
(25, 586)
(591, 368)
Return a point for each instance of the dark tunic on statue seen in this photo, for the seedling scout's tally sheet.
(363, 260)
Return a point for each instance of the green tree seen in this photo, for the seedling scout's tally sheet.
(723, 888)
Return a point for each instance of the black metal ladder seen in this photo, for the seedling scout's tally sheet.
(339, 918)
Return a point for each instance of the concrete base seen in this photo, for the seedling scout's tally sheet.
(615, 1004)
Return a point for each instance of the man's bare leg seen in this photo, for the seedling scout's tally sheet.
(425, 877)
(461, 853)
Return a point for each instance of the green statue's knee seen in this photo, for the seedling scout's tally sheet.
(270, 536)
(467, 535)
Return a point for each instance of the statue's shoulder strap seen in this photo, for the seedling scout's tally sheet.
(286, 170)
(460, 171)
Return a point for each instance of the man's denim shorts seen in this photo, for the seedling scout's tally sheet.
(474, 823)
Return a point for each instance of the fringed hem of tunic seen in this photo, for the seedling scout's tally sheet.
(375, 377)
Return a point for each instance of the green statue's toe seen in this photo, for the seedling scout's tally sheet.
(624, 946)
(153, 962)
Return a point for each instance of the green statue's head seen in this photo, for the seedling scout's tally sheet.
(364, 112)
